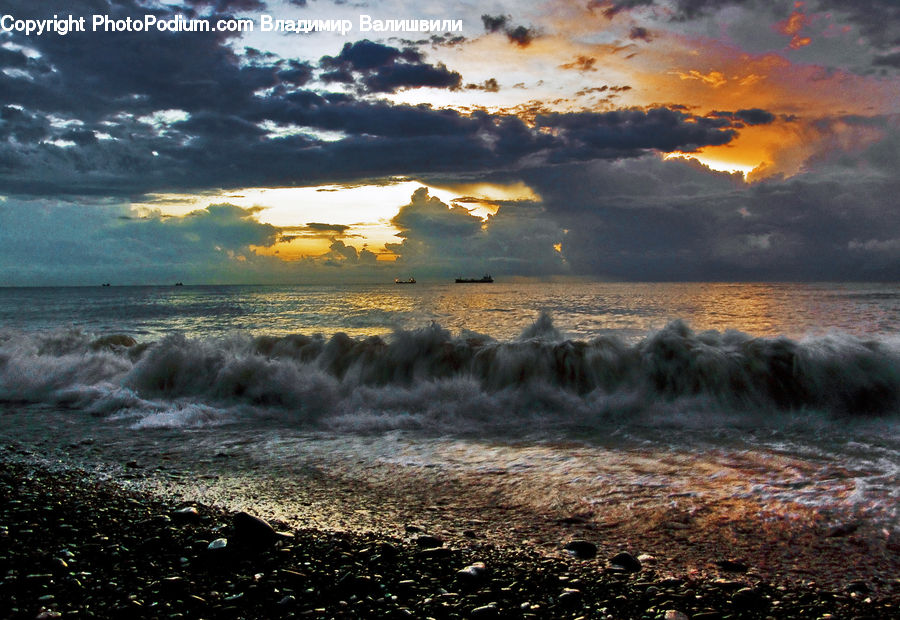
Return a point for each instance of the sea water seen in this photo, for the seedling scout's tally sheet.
(618, 396)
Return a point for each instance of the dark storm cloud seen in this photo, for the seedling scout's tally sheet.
(13, 59)
(638, 32)
(752, 116)
(22, 126)
(755, 116)
(610, 8)
(366, 55)
(296, 73)
(71, 243)
(90, 80)
(494, 23)
(490, 85)
(429, 217)
(677, 9)
(611, 134)
(648, 219)
(321, 227)
(520, 35)
(406, 75)
(225, 6)
(97, 114)
(876, 19)
(888, 60)
(339, 254)
(342, 76)
(385, 69)
(447, 240)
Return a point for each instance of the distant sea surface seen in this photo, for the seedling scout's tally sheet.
(500, 310)
(559, 384)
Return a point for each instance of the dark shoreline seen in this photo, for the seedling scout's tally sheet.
(72, 546)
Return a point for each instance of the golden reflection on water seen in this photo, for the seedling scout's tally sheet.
(502, 310)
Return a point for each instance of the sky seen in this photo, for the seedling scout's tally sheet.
(648, 140)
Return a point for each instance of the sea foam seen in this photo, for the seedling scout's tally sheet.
(430, 378)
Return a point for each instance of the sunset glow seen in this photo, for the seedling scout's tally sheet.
(547, 139)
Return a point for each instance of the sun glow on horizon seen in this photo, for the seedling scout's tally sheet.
(313, 218)
(719, 165)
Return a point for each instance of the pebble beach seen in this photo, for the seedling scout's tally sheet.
(74, 546)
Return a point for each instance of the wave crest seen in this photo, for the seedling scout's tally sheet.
(429, 377)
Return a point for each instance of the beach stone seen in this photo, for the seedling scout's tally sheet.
(733, 566)
(674, 614)
(218, 544)
(570, 597)
(472, 575)
(725, 584)
(387, 550)
(485, 611)
(356, 584)
(748, 599)
(250, 530)
(186, 515)
(582, 549)
(427, 541)
(626, 562)
(435, 553)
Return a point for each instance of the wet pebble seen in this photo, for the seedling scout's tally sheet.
(625, 562)
(219, 544)
(748, 599)
(570, 597)
(189, 514)
(733, 566)
(426, 541)
(472, 575)
(581, 549)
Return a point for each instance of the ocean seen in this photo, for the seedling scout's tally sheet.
(517, 406)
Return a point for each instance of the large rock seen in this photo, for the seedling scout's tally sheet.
(252, 531)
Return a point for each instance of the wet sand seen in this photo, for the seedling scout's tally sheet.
(729, 515)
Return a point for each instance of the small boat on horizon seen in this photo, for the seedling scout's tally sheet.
(409, 280)
(179, 284)
(484, 279)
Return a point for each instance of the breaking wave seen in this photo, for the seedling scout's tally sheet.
(429, 378)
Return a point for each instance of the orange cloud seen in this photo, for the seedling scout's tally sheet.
(713, 78)
(793, 25)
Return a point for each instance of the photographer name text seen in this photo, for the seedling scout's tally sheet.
(62, 26)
